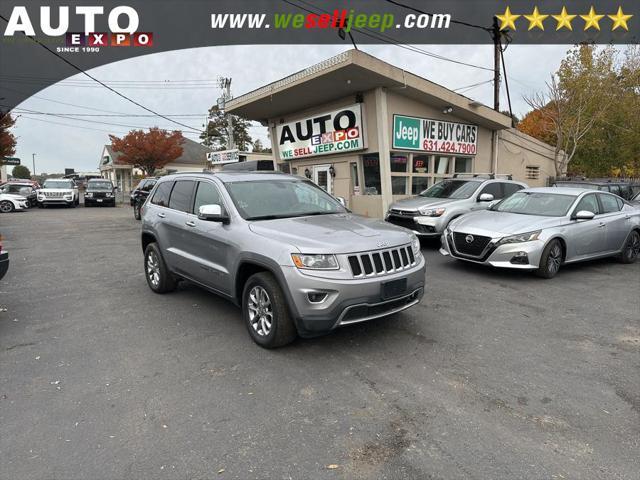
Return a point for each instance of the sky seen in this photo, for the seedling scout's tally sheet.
(78, 144)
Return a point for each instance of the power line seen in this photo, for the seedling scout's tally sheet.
(473, 85)
(103, 84)
(131, 115)
(390, 40)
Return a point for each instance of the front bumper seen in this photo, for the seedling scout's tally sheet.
(349, 300)
(67, 200)
(99, 201)
(4, 263)
(521, 256)
(426, 227)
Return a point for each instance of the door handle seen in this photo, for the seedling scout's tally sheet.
(602, 225)
(161, 215)
(190, 224)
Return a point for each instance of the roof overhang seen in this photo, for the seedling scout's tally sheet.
(347, 74)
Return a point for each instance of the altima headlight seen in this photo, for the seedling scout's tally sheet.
(315, 261)
(521, 237)
(431, 212)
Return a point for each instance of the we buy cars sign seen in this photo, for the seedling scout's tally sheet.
(337, 131)
(437, 136)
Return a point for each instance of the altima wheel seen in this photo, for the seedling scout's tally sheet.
(550, 260)
(265, 312)
(159, 278)
(631, 249)
(6, 206)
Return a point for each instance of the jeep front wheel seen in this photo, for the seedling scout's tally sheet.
(265, 312)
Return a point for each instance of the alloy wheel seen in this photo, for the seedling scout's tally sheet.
(633, 247)
(153, 269)
(555, 259)
(260, 311)
(6, 207)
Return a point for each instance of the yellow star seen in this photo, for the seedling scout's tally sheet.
(592, 19)
(507, 20)
(620, 19)
(564, 19)
(535, 19)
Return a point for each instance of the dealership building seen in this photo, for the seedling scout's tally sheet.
(373, 133)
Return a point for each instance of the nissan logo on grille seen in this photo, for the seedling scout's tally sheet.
(469, 239)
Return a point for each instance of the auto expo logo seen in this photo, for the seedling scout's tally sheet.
(123, 22)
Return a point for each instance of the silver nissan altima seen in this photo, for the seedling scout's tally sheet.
(540, 229)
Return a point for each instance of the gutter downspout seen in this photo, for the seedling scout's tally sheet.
(494, 150)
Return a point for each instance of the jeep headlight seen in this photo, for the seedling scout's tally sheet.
(108, 194)
(431, 212)
(521, 237)
(315, 261)
(415, 245)
(88, 194)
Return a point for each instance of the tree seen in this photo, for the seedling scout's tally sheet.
(7, 139)
(20, 171)
(259, 148)
(148, 151)
(216, 134)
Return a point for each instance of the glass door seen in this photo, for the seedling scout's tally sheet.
(322, 178)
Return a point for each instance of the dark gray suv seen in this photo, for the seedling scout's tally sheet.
(293, 258)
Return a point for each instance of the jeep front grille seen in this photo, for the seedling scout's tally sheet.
(381, 262)
(53, 194)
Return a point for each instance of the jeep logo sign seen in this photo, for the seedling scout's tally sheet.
(430, 135)
(332, 132)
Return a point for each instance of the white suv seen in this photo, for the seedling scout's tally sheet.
(59, 191)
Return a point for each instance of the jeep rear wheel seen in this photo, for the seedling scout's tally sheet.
(265, 312)
(158, 276)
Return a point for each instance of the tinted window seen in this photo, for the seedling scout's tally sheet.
(181, 196)
(207, 194)
(609, 203)
(451, 189)
(161, 196)
(615, 189)
(537, 203)
(494, 189)
(148, 185)
(620, 203)
(510, 188)
(588, 203)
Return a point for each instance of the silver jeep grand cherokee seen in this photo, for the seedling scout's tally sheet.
(293, 258)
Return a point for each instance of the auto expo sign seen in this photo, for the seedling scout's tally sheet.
(338, 131)
(438, 136)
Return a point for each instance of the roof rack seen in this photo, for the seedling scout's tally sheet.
(491, 176)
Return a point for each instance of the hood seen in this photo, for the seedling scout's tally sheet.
(54, 190)
(12, 196)
(336, 233)
(414, 203)
(500, 224)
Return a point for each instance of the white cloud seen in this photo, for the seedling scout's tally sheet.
(250, 67)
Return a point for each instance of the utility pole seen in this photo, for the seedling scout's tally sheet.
(225, 84)
(496, 65)
(33, 158)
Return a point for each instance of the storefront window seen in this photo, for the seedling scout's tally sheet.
(284, 167)
(399, 162)
(420, 163)
(419, 184)
(442, 165)
(463, 165)
(399, 185)
(371, 171)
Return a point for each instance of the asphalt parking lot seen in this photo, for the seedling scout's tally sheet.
(495, 375)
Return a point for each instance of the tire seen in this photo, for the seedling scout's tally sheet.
(136, 211)
(6, 206)
(550, 260)
(262, 299)
(631, 250)
(159, 278)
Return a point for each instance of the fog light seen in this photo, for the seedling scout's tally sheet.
(317, 297)
(520, 258)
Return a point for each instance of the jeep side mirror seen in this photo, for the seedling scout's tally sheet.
(485, 197)
(212, 213)
(584, 215)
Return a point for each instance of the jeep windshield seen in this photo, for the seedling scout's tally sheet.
(457, 189)
(57, 184)
(535, 203)
(99, 186)
(268, 200)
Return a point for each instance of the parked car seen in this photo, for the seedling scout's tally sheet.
(10, 203)
(22, 189)
(429, 213)
(140, 194)
(100, 192)
(4, 260)
(621, 188)
(636, 199)
(288, 253)
(58, 191)
(540, 229)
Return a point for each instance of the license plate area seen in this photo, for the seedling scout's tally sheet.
(394, 288)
